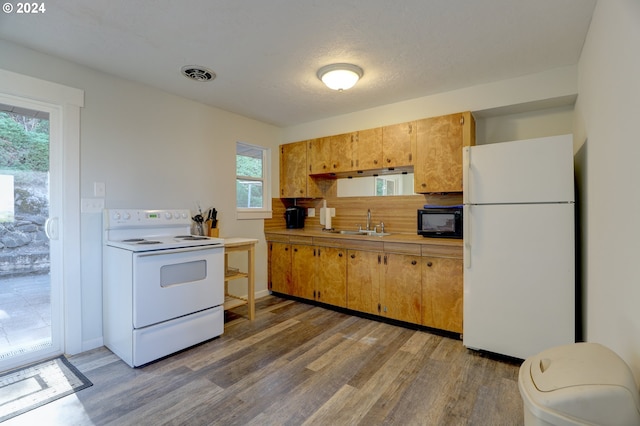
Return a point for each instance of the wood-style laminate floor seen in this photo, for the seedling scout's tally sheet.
(296, 364)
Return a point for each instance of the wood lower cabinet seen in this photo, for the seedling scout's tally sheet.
(407, 282)
(400, 290)
(363, 281)
(384, 284)
(319, 273)
(280, 267)
(442, 290)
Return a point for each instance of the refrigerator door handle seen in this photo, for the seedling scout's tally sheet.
(466, 170)
(466, 228)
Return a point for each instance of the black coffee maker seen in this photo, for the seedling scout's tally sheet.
(294, 217)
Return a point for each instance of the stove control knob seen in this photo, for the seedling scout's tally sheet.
(127, 216)
(176, 215)
(185, 215)
(116, 216)
(167, 215)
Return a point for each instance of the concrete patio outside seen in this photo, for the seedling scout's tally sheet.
(25, 314)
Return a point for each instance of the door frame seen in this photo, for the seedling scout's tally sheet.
(63, 103)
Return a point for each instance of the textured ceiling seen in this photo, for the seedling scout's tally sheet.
(266, 52)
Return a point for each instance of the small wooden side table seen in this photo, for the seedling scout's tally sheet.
(231, 301)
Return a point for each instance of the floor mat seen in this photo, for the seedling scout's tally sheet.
(26, 388)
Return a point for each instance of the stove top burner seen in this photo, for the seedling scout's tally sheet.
(148, 242)
(133, 240)
(193, 238)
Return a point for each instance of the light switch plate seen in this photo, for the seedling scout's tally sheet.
(99, 189)
(311, 212)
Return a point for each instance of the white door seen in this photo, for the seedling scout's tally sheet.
(31, 245)
(527, 171)
(519, 279)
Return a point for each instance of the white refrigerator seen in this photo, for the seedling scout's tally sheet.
(519, 246)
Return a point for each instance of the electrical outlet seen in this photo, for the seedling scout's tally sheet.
(92, 205)
(311, 212)
(333, 211)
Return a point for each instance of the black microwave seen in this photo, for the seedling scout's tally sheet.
(440, 221)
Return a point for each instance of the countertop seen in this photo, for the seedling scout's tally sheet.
(395, 242)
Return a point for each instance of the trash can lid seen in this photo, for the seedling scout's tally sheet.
(580, 364)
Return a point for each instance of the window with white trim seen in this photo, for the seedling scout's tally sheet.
(253, 186)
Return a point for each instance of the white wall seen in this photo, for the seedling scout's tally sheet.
(608, 150)
(558, 83)
(151, 149)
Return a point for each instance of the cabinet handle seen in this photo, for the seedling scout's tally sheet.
(413, 262)
(353, 256)
(385, 259)
(286, 249)
(379, 259)
(339, 254)
(388, 160)
(429, 264)
(424, 185)
(375, 161)
(318, 294)
(295, 249)
(410, 157)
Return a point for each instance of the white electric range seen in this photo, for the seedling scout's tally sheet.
(163, 288)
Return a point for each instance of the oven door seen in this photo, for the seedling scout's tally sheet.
(169, 284)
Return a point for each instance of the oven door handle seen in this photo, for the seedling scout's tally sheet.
(178, 250)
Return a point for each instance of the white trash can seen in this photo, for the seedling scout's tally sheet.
(578, 384)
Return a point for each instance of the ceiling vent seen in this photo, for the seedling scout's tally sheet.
(198, 73)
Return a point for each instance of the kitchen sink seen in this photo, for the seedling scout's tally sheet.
(363, 233)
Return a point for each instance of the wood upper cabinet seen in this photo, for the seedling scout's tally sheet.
(442, 291)
(341, 147)
(280, 267)
(319, 273)
(398, 144)
(367, 149)
(319, 156)
(400, 291)
(439, 142)
(293, 170)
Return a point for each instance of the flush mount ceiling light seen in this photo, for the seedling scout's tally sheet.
(340, 76)
(198, 73)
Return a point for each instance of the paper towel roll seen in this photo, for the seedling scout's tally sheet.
(327, 218)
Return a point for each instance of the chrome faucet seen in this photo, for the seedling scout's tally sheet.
(368, 220)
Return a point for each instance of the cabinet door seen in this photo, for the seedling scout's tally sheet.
(400, 293)
(293, 170)
(398, 144)
(368, 149)
(439, 142)
(342, 152)
(363, 281)
(319, 152)
(331, 276)
(303, 270)
(280, 267)
(442, 286)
